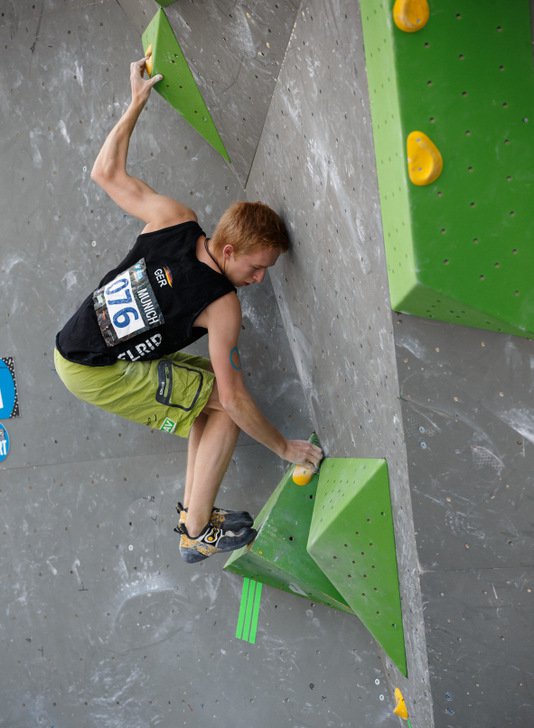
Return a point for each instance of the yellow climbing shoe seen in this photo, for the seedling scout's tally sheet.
(211, 541)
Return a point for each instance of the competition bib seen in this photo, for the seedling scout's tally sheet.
(127, 306)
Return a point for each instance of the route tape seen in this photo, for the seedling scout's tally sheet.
(249, 610)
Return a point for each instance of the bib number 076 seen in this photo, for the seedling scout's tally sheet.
(123, 316)
(124, 313)
(127, 306)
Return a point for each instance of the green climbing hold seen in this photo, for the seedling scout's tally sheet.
(352, 541)
(278, 555)
(178, 86)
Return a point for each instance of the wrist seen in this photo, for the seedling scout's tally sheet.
(282, 448)
(137, 104)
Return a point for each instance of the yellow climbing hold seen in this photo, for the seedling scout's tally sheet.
(425, 162)
(411, 15)
(149, 63)
(302, 475)
(400, 709)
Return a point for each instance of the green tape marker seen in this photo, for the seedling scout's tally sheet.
(254, 617)
(249, 609)
(242, 609)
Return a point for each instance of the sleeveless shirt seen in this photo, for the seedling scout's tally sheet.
(145, 307)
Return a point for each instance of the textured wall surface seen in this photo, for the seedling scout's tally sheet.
(332, 289)
(235, 51)
(101, 624)
(64, 84)
(468, 405)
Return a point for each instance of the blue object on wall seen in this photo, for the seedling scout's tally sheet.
(4, 443)
(9, 403)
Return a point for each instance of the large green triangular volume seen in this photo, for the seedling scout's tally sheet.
(352, 540)
(278, 555)
(178, 86)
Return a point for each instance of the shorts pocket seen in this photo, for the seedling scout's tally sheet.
(178, 386)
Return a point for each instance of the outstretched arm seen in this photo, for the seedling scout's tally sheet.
(109, 170)
(223, 324)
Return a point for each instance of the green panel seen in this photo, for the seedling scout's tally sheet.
(278, 555)
(352, 540)
(458, 250)
(178, 86)
(389, 150)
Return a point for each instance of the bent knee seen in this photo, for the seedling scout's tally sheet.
(214, 405)
(214, 402)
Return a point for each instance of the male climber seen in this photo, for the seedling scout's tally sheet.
(121, 349)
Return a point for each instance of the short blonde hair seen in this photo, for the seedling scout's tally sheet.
(248, 226)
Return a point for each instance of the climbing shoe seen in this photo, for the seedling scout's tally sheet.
(211, 540)
(221, 518)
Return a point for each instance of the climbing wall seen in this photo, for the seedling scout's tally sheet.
(457, 249)
(178, 87)
(316, 163)
(340, 518)
(279, 557)
(102, 623)
(468, 413)
(352, 540)
(235, 51)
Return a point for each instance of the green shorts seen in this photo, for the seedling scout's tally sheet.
(165, 394)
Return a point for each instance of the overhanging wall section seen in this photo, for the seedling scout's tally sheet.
(456, 248)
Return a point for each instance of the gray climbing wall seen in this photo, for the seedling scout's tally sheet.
(468, 406)
(100, 621)
(464, 397)
(332, 288)
(101, 624)
(235, 50)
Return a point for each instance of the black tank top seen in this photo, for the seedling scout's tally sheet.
(145, 307)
